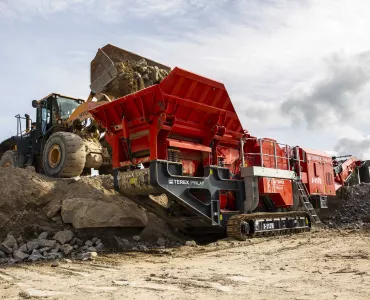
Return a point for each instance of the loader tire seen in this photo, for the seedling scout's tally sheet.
(64, 155)
(10, 159)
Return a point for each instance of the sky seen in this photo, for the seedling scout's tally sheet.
(297, 71)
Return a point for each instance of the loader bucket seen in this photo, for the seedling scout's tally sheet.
(106, 71)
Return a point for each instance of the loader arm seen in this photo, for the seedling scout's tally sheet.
(82, 111)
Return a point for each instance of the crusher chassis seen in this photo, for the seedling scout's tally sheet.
(183, 139)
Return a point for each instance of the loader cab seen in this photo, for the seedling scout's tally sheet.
(52, 110)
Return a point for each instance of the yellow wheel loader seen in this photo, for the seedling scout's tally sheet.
(65, 140)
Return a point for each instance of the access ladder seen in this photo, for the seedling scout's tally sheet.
(305, 201)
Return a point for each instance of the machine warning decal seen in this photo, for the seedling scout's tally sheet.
(317, 180)
(186, 182)
(319, 158)
(84, 113)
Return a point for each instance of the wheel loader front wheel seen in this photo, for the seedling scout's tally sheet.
(64, 155)
(54, 155)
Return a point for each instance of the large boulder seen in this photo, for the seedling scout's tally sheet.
(109, 211)
(31, 203)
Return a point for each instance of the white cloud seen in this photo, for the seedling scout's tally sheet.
(20, 8)
(334, 97)
(107, 9)
(352, 146)
(256, 111)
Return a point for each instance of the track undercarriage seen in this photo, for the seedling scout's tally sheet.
(245, 226)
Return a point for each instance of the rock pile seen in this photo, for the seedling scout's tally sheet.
(30, 202)
(138, 244)
(43, 218)
(132, 77)
(156, 235)
(350, 209)
(62, 244)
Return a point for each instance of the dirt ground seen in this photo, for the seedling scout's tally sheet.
(323, 264)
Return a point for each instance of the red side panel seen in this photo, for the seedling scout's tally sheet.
(199, 100)
(319, 168)
(279, 190)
